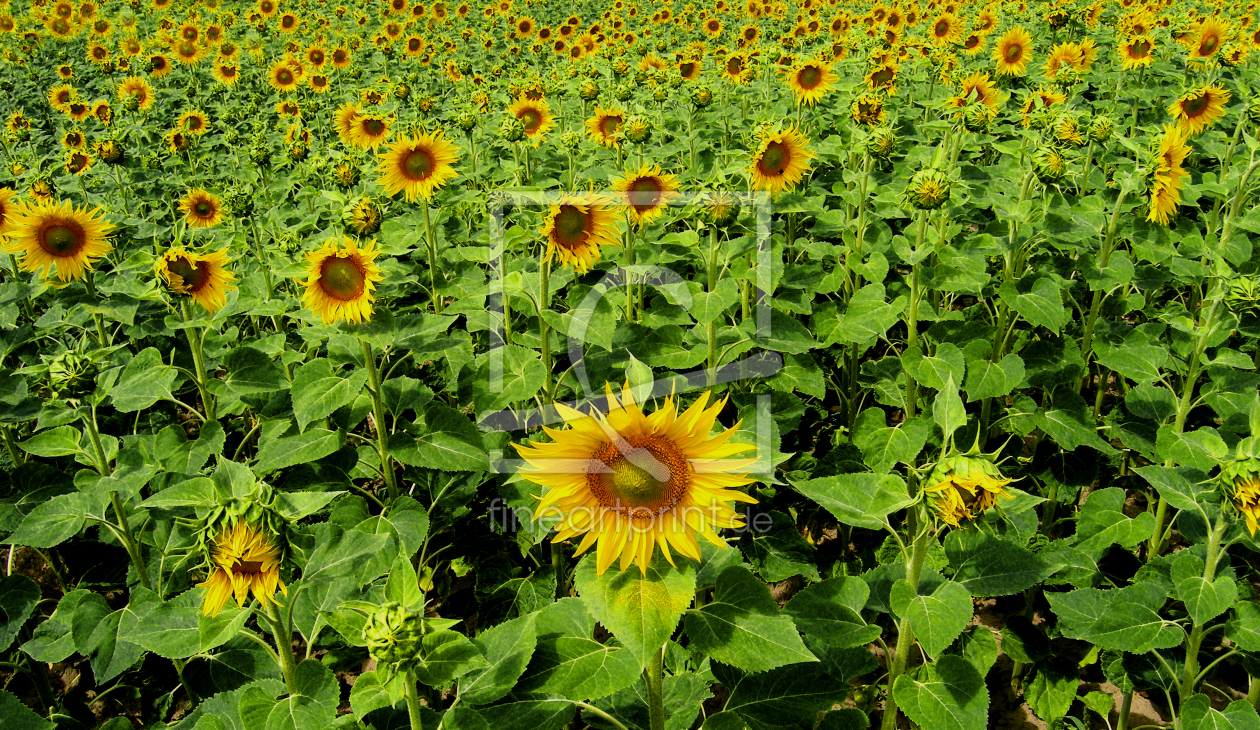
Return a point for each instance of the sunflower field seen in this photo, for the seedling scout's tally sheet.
(629, 364)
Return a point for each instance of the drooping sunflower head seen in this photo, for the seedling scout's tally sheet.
(418, 166)
(58, 237)
(780, 161)
(364, 216)
(204, 277)
(244, 558)
(576, 227)
(1165, 182)
(1199, 109)
(646, 193)
(78, 161)
(1239, 481)
(962, 487)
(201, 209)
(1049, 164)
(341, 280)
(345, 120)
(626, 481)
(1013, 52)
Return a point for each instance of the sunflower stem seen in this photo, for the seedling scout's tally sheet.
(258, 251)
(195, 340)
(432, 241)
(544, 329)
(1104, 257)
(711, 327)
(912, 321)
(413, 702)
(382, 429)
(283, 635)
(905, 635)
(11, 447)
(654, 678)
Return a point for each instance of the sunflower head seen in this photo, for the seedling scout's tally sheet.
(962, 487)
(929, 189)
(1049, 164)
(780, 160)
(393, 634)
(204, 277)
(341, 279)
(646, 193)
(201, 209)
(364, 216)
(418, 166)
(882, 144)
(1101, 127)
(638, 128)
(721, 209)
(1239, 482)
(58, 237)
(1199, 109)
(575, 229)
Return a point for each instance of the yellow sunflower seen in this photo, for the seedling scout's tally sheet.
(78, 162)
(1212, 34)
(976, 89)
(646, 193)
(605, 127)
(226, 73)
(575, 228)
(1199, 109)
(780, 161)
(370, 131)
(1166, 182)
(194, 122)
(204, 277)
(535, 117)
(59, 236)
(963, 487)
(345, 120)
(947, 28)
(868, 109)
(245, 560)
(627, 481)
(811, 80)
(60, 97)
(282, 77)
(1012, 52)
(883, 77)
(201, 209)
(1136, 52)
(341, 279)
(418, 166)
(137, 88)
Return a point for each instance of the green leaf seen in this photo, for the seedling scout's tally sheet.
(1197, 713)
(569, 663)
(109, 643)
(251, 372)
(1041, 305)
(53, 640)
(406, 520)
(948, 410)
(1183, 488)
(993, 380)
(935, 371)
(145, 380)
(742, 626)
(463, 717)
(1204, 600)
(1140, 363)
(52, 522)
(977, 646)
(446, 656)
(862, 500)
(708, 306)
(447, 440)
(868, 316)
(1151, 402)
(788, 697)
(18, 596)
(778, 552)
(172, 629)
(953, 697)
(1125, 619)
(16, 716)
(528, 712)
(989, 566)
(318, 390)
(314, 705)
(369, 694)
(1071, 425)
(507, 649)
(190, 493)
(682, 696)
(1102, 523)
(937, 617)
(886, 447)
(1052, 687)
(59, 441)
(640, 609)
(830, 611)
(278, 451)
(294, 506)
(1243, 627)
(1023, 642)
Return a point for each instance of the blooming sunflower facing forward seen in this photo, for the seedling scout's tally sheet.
(629, 481)
(340, 281)
(1136, 52)
(58, 236)
(1012, 52)
(535, 117)
(201, 209)
(1199, 109)
(244, 560)
(780, 161)
(205, 278)
(605, 126)
(1165, 185)
(576, 227)
(418, 166)
(646, 193)
(811, 80)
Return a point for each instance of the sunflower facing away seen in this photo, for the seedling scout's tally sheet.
(1166, 181)
(1199, 109)
(576, 227)
(204, 277)
(646, 193)
(245, 560)
(963, 487)
(58, 236)
(780, 161)
(201, 209)
(1012, 52)
(418, 166)
(627, 481)
(811, 80)
(341, 279)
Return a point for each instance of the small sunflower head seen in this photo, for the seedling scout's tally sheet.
(72, 374)
(466, 120)
(701, 96)
(978, 117)
(260, 154)
(1067, 77)
(638, 129)
(256, 508)
(588, 91)
(345, 175)
(238, 201)
(109, 151)
(1101, 127)
(721, 209)
(1239, 482)
(393, 634)
(882, 144)
(570, 139)
(1049, 164)
(929, 189)
(962, 487)
(511, 130)
(623, 91)
(621, 67)
(364, 216)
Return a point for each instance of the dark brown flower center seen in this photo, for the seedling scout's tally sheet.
(570, 226)
(1013, 52)
(374, 127)
(284, 76)
(1195, 105)
(531, 120)
(645, 193)
(809, 77)
(203, 209)
(61, 238)
(643, 477)
(774, 159)
(247, 567)
(418, 164)
(610, 125)
(192, 276)
(342, 278)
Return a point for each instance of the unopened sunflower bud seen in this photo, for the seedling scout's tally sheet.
(401, 91)
(882, 144)
(978, 117)
(589, 91)
(72, 374)
(466, 121)
(393, 634)
(929, 189)
(1067, 76)
(623, 92)
(962, 487)
(660, 95)
(238, 201)
(511, 130)
(1101, 128)
(701, 96)
(721, 209)
(259, 155)
(364, 216)
(570, 139)
(1049, 164)
(638, 129)
(345, 175)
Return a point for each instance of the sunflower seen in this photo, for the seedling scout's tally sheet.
(1042, 98)
(201, 209)
(1199, 109)
(61, 96)
(1240, 481)
(646, 193)
(811, 80)
(159, 65)
(282, 77)
(73, 139)
(345, 120)
(78, 162)
(177, 140)
(605, 126)
(1166, 182)
(1136, 52)
(1012, 52)
(627, 481)
(58, 235)
(735, 68)
(1210, 36)
(226, 73)
(976, 89)
(340, 280)
(370, 131)
(946, 29)
(780, 161)
(963, 487)
(868, 109)
(245, 560)
(8, 208)
(417, 166)
(973, 44)
(883, 78)
(138, 89)
(194, 122)
(1062, 55)
(534, 116)
(205, 278)
(575, 228)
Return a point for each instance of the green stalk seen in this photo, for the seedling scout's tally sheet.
(629, 277)
(1083, 188)
(1104, 256)
(711, 328)
(432, 242)
(1253, 692)
(11, 447)
(195, 342)
(1126, 707)
(382, 426)
(284, 646)
(912, 321)
(123, 530)
(557, 562)
(259, 252)
(905, 635)
(413, 702)
(1191, 675)
(654, 678)
(544, 329)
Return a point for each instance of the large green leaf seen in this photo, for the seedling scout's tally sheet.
(569, 662)
(284, 449)
(445, 656)
(743, 626)
(790, 696)
(682, 696)
(1125, 619)
(446, 440)
(52, 522)
(318, 390)
(1204, 599)
(18, 596)
(830, 611)
(989, 566)
(951, 697)
(507, 649)
(640, 609)
(16, 716)
(861, 500)
(937, 613)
